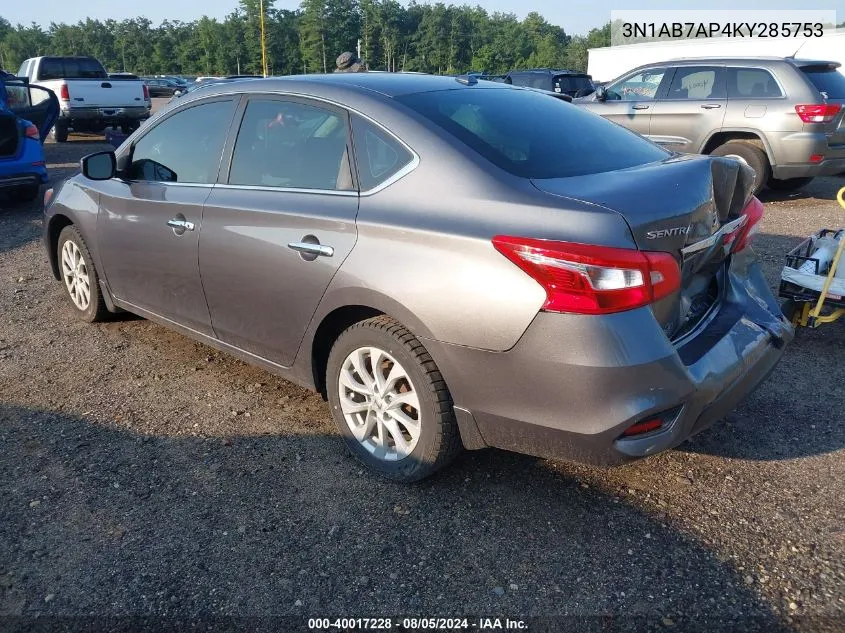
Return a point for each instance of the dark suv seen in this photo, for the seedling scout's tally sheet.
(568, 82)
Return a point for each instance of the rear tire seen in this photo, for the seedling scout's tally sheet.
(752, 156)
(788, 184)
(60, 131)
(390, 402)
(128, 128)
(79, 278)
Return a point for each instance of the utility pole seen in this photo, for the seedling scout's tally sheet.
(263, 42)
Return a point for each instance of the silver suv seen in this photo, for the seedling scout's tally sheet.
(781, 116)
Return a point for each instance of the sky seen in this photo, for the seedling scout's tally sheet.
(575, 17)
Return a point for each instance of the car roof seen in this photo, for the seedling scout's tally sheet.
(549, 71)
(749, 60)
(387, 84)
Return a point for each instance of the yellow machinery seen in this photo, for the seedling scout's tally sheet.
(806, 305)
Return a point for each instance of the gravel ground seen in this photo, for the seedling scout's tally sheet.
(144, 474)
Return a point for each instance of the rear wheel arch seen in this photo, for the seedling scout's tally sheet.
(736, 136)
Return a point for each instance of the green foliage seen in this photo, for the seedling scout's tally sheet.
(434, 38)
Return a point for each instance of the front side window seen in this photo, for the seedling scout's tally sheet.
(752, 83)
(698, 82)
(185, 147)
(640, 87)
(293, 145)
(378, 155)
(533, 135)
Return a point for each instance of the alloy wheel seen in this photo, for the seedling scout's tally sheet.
(379, 403)
(75, 274)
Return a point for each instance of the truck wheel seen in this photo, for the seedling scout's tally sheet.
(752, 156)
(60, 131)
(390, 402)
(788, 184)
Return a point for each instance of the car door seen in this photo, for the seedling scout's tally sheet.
(630, 100)
(279, 225)
(35, 104)
(149, 220)
(691, 109)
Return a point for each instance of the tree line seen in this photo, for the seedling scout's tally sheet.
(432, 38)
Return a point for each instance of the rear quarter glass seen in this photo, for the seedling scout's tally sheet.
(828, 81)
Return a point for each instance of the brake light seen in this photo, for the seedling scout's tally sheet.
(146, 93)
(753, 211)
(32, 132)
(587, 279)
(64, 93)
(818, 112)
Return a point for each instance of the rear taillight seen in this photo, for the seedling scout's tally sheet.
(817, 112)
(146, 93)
(743, 237)
(32, 132)
(587, 279)
(64, 93)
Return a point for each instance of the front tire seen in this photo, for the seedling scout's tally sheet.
(79, 277)
(390, 402)
(752, 156)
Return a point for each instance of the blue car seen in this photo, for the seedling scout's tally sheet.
(26, 115)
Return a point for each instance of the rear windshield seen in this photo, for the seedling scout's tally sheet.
(830, 82)
(532, 135)
(71, 68)
(572, 83)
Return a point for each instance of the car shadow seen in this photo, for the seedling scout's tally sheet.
(822, 188)
(99, 520)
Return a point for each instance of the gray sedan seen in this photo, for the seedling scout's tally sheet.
(450, 262)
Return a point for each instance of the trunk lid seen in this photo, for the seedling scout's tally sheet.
(681, 206)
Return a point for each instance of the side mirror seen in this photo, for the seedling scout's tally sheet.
(99, 166)
(601, 93)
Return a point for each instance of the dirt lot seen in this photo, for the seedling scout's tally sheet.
(144, 474)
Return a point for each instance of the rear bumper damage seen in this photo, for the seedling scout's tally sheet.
(574, 384)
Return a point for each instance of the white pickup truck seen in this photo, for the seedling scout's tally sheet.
(90, 101)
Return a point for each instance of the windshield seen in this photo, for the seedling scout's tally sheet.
(533, 135)
(71, 68)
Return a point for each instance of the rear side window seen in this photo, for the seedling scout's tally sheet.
(533, 135)
(828, 81)
(292, 145)
(71, 68)
(698, 82)
(185, 147)
(378, 155)
(752, 83)
(571, 83)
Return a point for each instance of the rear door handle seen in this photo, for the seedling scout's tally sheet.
(639, 107)
(312, 249)
(710, 106)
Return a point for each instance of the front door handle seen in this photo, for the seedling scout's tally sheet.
(639, 107)
(310, 248)
(179, 224)
(710, 106)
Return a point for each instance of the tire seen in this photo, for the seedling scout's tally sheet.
(27, 193)
(60, 131)
(78, 259)
(753, 156)
(420, 384)
(789, 184)
(128, 128)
